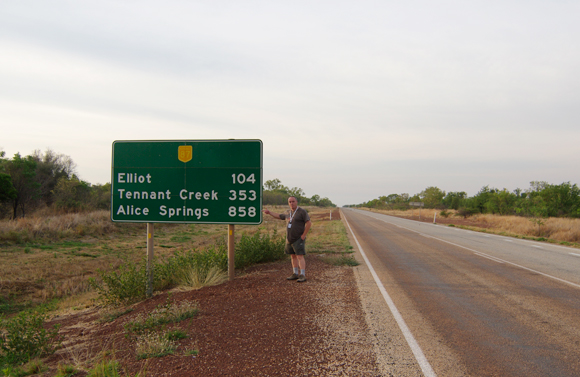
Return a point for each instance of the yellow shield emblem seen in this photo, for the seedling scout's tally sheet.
(185, 153)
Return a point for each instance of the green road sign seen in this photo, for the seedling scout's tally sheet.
(187, 181)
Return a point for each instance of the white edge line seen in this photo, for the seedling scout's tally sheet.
(577, 255)
(503, 260)
(415, 348)
(488, 257)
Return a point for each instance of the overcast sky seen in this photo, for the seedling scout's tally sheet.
(352, 99)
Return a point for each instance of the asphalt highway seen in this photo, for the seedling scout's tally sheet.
(472, 303)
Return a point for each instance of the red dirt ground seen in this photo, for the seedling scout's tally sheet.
(259, 324)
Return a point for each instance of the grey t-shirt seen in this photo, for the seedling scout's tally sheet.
(296, 222)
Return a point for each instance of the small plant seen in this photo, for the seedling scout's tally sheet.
(111, 315)
(65, 370)
(34, 366)
(24, 337)
(106, 368)
(11, 371)
(176, 334)
(154, 344)
(539, 222)
(444, 214)
(162, 315)
(193, 352)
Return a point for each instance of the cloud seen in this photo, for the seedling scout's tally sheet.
(350, 99)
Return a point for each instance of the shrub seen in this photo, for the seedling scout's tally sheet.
(122, 287)
(178, 268)
(128, 284)
(465, 212)
(258, 249)
(24, 337)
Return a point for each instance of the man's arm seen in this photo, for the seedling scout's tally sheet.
(274, 215)
(307, 226)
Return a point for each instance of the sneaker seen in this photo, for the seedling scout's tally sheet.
(301, 279)
(292, 277)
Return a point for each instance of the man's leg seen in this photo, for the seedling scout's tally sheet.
(301, 262)
(295, 262)
(300, 250)
(295, 267)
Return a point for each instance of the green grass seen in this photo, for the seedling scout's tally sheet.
(341, 260)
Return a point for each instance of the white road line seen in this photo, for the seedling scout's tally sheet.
(574, 254)
(537, 246)
(503, 260)
(419, 356)
(489, 257)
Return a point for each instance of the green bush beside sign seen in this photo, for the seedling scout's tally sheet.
(187, 181)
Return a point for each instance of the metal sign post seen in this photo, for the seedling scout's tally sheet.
(186, 181)
(231, 252)
(150, 228)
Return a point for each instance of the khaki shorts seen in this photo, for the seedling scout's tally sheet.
(298, 247)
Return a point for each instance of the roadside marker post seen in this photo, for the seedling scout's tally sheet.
(187, 182)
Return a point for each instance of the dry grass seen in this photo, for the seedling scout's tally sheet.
(196, 279)
(46, 258)
(559, 230)
(56, 227)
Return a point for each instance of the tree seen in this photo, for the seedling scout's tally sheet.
(7, 190)
(297, 192)
(101, 196)
(454, 200)
(479, 201)
(315, 200)
(50, 168)
(432, 196)
(560, 200)
(275, 184)
(325, 202)
(23, 173)
(72, 194)
(501, 202)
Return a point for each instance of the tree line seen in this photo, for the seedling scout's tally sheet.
(46, 180)
(275, 193)
(541, 199)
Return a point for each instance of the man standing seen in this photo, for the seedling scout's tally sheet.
(297, 226)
